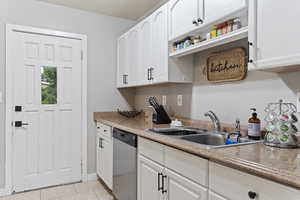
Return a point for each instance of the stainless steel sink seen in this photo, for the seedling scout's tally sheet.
(177, 131)
(208, 139)
(216, 140)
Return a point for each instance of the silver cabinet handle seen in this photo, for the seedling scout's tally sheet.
(250, 44)
(163, 184)
(101, 143)
(148, 74)
(126, 81)
(159, 181)
(151, 73)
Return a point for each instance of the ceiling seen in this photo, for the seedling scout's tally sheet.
(129, 9)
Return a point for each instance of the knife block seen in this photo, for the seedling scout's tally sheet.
(160, 116)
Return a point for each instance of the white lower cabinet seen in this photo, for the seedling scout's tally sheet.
(150, 174)
(158, 180)
(169, 174)
(105, 154)
(236, 185)
(178, 187)
(214, 196)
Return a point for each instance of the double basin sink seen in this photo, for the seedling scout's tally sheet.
(209, 139)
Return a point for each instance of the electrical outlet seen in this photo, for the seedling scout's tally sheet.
(164, 100)
(298, 102)
(179, 100)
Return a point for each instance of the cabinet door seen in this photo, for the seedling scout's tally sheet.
(179, 187)
(276, 34)
(213, 196)
(133, 56)
(236, 185)
(99, 157)
(145, 51)
(148, 179)
(182, 13)
(216, 9)
(107, 162)
(122, 60)
(159, 22)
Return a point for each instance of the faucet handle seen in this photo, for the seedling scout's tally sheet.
(237, 123)
(238, 127)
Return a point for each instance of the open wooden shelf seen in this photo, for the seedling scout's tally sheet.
(223, 39)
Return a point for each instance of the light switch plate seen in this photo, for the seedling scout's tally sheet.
(164, 100)
(179, 100)
(298, 102)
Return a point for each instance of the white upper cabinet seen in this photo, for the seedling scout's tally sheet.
(184, 16)
(159, 49)
(273, 32)
(216, 9)
(122, 61)
(133, 56)
(143, 57)
(145, 51)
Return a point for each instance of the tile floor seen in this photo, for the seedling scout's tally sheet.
(92, 190)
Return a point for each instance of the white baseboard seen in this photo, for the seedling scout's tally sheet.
(92, 177)
(4, 192)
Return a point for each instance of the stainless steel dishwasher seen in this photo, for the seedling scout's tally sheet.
(125, 165)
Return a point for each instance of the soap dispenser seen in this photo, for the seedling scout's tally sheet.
(254, 131)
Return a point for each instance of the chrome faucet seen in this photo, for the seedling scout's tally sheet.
(215, 120)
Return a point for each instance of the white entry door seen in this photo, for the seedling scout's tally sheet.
(47, 111)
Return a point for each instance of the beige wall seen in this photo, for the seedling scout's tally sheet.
(102, 32)
(229, 100)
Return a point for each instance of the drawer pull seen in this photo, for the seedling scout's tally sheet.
(252, 195)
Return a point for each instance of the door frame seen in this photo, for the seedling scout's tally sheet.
(10, 29)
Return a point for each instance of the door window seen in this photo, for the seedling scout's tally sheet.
(49, 85)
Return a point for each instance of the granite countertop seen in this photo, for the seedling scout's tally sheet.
(279, 165)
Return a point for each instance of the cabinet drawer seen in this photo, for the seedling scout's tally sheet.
(236, 185)
(188, 165)
(104, 130)
(151, 150)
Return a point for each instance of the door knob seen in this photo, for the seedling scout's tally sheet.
(18, 108)
(20, 124)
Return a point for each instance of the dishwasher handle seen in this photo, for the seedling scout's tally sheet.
(125, 137)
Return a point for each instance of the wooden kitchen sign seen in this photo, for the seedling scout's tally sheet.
(227, 66)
